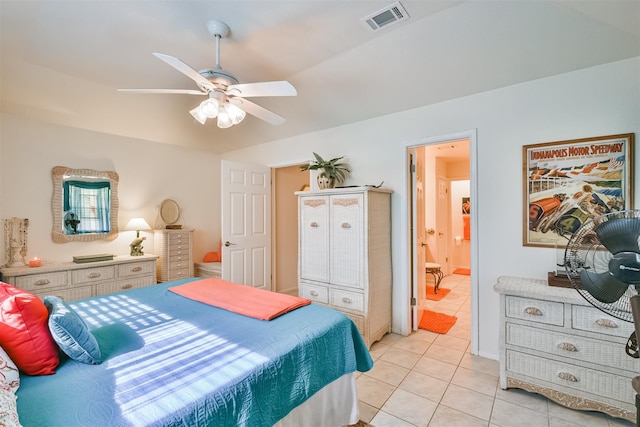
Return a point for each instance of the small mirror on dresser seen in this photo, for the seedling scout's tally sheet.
(84, 205)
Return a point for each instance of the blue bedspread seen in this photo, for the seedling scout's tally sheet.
(171, 361)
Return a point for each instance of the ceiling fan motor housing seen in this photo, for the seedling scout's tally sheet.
(219, 77)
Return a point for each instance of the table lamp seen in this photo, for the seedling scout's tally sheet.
(137, 224)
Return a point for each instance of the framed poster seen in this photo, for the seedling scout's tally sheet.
(566, 183)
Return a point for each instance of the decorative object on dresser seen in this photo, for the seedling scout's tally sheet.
(332, 172)
(174, 248)
(71, 281)
(554, 343)
(137, 224)
(344, 254)
(170, 214)
(15, 241)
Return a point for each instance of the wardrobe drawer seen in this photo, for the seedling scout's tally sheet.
(316, 293)
(136, 269)
(534, 310)
(572, 376)
(593, 320)
(41, 282)
(348, 300)
(178, 264)
(571, 347)
(90, 275)
(181, 238)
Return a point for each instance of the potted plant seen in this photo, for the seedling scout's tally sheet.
(332, 171)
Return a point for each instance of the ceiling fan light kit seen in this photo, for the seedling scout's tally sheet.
(226, 97)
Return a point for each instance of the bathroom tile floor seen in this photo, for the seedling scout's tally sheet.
(428, 379)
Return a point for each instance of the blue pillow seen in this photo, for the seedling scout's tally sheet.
(71, 333)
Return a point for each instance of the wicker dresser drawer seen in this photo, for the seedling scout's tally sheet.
(570, 346)
(124, 285)
(593, 320)
(179, 237)
(539, 311)
(68, 294)
(316, 293)
(179, 274)
(571, 376)
(96, 274)
(136, 268)
(349, 300)
(41, 282)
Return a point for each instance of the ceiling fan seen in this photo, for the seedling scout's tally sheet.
(226, 97)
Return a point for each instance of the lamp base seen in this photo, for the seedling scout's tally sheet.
(136, 246)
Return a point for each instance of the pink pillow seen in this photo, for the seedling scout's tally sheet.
(24, 332)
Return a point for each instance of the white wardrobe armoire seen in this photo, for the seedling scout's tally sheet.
(344, 254)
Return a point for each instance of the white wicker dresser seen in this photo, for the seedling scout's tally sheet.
(71, 281)
(344, 254)
(553, 342)
(175, 251)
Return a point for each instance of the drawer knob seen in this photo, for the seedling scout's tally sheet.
(136, 269)
(94, 275)
(314, 225)
(345, 225)
(568, 377)
(42, 282)
(313, 293)
(127, 286)
(534, 311)
(606, 323)
(346, 300)
(567, 346)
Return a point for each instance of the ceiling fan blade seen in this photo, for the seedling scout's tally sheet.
(603, 287)
(258, 111)
(619, 234)
(164, 91)
(252, 90)
(186, 70)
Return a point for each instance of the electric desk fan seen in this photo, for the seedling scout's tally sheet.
(602, 259)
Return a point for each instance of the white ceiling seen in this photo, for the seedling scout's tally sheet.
(62, 61)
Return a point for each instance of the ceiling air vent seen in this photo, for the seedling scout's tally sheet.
(389, 15)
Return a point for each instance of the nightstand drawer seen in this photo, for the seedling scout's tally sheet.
(41, 282)
(349, 300)
(90, 275)
(316, 293)
(547, 312)
(593, 320)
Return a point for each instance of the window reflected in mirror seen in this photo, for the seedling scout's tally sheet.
(85, 204)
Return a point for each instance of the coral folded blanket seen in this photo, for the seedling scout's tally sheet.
(240, 299)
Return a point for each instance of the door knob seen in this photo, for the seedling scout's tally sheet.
(228, 243)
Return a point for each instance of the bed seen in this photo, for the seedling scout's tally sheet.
(168, 360)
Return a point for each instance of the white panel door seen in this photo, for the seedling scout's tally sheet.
(246, 224)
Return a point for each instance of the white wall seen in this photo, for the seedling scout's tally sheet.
(148, 172)
(597, 101)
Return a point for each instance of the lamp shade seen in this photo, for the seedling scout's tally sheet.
(137, 224)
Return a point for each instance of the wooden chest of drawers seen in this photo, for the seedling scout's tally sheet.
(174, 248)
(71, 281)
(554, 343)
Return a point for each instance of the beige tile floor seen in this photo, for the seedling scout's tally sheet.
(428, 379)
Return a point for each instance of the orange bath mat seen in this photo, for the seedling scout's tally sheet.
(436, 322)
(442, 292)
(464, 271)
